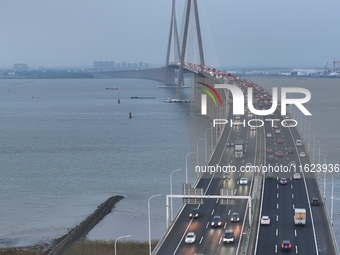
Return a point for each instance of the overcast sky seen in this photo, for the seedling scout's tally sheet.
(236, 33)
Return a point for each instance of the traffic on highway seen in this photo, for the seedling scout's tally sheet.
(290, 216)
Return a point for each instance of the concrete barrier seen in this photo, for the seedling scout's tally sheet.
(80, 231)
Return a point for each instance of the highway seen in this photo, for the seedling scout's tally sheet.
(279, 201)
(210, 240)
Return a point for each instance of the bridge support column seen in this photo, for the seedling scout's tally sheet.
(169, 79)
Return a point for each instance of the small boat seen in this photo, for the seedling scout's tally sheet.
(142, 97)
(113, 88)
(168, 100)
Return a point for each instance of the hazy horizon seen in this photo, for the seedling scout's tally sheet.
(235, 34)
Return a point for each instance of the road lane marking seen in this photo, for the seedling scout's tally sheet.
(201, 240)
(235, 191)
(277, 195)
(296, 249)
(229, 212)
(212, 212)
(217, 200)
(275, 248)
(291, 186)
(295, 232)
(293, 206)
(277, 232)
(277, 206)
(292, 196)
(225, 225)
(220, 240)
(277, 217)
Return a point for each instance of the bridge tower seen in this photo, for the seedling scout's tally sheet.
(191, 5)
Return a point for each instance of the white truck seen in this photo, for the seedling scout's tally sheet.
(239, 148)
(300, 216)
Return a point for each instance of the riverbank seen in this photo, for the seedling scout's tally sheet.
(91, 247)
(61, 244)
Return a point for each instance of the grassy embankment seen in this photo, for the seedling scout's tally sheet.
(94, 248)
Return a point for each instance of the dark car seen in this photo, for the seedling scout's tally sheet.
(314, 201)
(290, 151)
(286, 245)
(195, 213)
(283, 181)
(216, 222)
(230, 143)
(270, 158)
(226, 176)
(269, 150)
(279, 140)
(235, 217)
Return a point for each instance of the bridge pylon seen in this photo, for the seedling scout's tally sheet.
(191, 5)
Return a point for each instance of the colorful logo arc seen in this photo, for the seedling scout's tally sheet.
(209, 93)
(204, 97)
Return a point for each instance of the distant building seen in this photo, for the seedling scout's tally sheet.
(104, 65)
(135, 66)
(146, 65)
(129, 65)
(118, 65)
(20, 67)
(124, 65)
(140, 65)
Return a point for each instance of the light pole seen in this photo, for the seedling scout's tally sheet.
(319, 148)
(117, 240)
(308, 134)
(217, 128)
(324, 176)
(205, 142)
(313, 142)
(197, 153)
(332, 198)
(150, 221)
(186, 166)
(172, 210)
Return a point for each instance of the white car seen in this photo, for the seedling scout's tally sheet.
(302, 154)
(265, 220)
(269, 135)
(298, 143)
(243, 180)
(190, 237)
(277, 131)
(292, 163)
(297, 176)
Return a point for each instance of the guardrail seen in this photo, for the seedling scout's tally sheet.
(322, 199)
